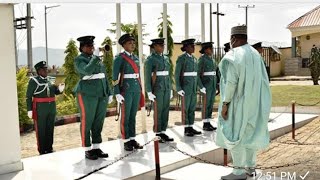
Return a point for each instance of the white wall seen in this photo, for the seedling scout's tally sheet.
(10, 155)
(306, 45)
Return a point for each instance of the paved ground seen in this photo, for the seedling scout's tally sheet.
(300, 83)
(305, 150)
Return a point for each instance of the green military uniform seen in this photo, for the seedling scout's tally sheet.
(207, 78)
(186, 79)
(92, 93)
(315, 64)
(157, 82)
(130, 89)
(41, 101)
(126, 81)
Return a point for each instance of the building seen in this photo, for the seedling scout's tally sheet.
(305, 33)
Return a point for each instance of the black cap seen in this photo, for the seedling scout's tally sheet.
(186, 42)
(41, 64)
(124, 38)
(157, 41)
(86, 40)
(226, 47)
(204, 46)
(257, 45)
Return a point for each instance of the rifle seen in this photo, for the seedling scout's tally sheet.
(183, 114)
(118, 109)
(155, 116)
(153, 82)
(204, 104)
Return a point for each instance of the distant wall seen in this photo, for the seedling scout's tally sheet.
(285, 54)
(306, 44)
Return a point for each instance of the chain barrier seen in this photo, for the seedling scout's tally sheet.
(308, 104)
(236, 167)
(115, 161)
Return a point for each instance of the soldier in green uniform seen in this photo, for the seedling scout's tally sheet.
(158, 87)
(93, 95)
(41, 106)
(226, 47)
(127, 88)
(258, 47)
(208, 79)
(314, 64)
(186, 85)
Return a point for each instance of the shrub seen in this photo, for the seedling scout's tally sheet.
(22, 83)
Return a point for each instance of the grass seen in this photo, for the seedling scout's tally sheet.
(283, 95)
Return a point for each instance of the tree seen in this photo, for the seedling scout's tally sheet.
(130, 29)
(169, 41)
(68, 66)
(108, 58)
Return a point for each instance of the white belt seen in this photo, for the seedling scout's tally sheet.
(134, 76)
(162, 73)
(190, 74)
(210, 73)
(94, 76)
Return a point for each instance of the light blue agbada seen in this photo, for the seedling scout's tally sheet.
(244, 83)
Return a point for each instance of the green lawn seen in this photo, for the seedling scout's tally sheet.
(283, 95)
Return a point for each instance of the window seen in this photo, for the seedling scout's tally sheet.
(305, 62)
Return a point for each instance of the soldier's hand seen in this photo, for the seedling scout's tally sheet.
(171, 94)
(181, 92)
(61, 87)
(203, 90)
(30, 114)
(224, 112)
(110, 99)
(151, 96)
(119, 98)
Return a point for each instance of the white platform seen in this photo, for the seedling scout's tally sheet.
(207, 172)
(71, 164)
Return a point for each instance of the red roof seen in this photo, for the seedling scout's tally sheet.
(311, 18)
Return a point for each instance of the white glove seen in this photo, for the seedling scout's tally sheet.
(30, 114)
(119, 98)
(181, 92)
(151, 96)
(203, 90)
(171, 94)
(110, 99)
(61, 87)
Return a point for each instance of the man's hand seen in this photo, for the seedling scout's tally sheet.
(151, 96)
(30, 114)
(110, 99)
(218, 90)
(181, 92)
(224, 111)
(119, 98)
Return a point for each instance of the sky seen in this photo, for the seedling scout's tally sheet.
(266, 21)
